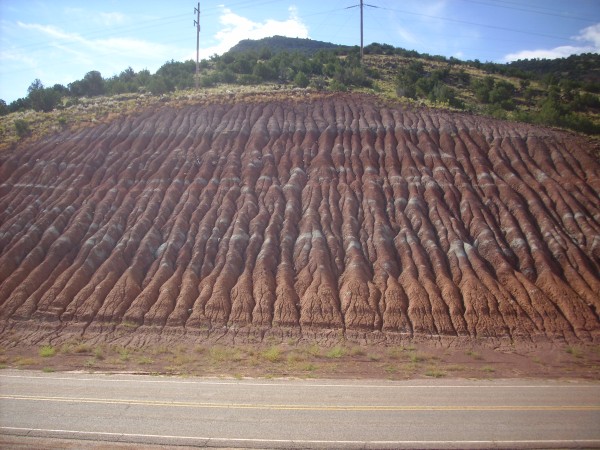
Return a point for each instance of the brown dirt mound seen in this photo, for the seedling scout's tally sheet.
(327, 214)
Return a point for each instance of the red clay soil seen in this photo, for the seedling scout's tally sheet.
(309, 216)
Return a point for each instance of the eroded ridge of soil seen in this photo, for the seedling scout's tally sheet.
(329, 214)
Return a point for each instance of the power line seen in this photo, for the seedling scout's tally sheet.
(361, 5)
(448, 19)
(514, 8)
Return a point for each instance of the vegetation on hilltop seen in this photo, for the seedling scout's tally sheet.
(279, 44)
(562, 92)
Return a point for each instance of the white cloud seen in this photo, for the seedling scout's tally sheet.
(236, 28)
(110, 19)
(96, 49)
(107, 19)
(589, 37)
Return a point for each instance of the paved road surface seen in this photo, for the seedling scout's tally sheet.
(299, 413)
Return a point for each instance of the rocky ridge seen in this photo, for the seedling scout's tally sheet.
(330, 214)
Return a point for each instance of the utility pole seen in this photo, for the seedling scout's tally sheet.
(361, 30)
(197, 23)
(361, 6)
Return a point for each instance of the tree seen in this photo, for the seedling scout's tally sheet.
(91, 85)
(301, 80)
(41, 98)
(3, 108)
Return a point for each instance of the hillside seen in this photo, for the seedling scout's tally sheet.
(561, 93)
(301, 214)
(279, 44)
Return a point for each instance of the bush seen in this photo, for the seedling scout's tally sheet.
(22, 128)
(158, 85)
(335, 85)
(46, 351)
(248, 79)
(318, 83)
(301, 80)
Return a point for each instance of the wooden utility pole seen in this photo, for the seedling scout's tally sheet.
(197, 23)
(361, 6)
(361, 30)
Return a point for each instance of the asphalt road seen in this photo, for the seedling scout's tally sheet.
(299, 413)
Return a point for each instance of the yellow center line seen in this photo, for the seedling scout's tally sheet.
(308, 407)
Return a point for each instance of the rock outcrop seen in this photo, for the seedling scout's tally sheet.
(331, 214)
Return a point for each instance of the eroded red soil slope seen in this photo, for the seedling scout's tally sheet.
(334, 213)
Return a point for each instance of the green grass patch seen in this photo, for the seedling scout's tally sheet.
(575, 351)
(221, 354)
(144, 360)
(435, 373)
(335, 352)
(474, 355)
(310, 367)
(47, 351)
(272, 354)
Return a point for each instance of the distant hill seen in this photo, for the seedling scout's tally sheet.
(278, 44)
(582, 68)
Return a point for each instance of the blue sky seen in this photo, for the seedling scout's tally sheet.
(59, 41)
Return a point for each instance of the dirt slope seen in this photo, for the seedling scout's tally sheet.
(329, 214)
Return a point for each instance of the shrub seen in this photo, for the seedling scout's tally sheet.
(46, 351)
(335, 352)
(22, 128)
(301, 80)
(273, 354)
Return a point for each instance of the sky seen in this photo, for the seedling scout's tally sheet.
(59, 41)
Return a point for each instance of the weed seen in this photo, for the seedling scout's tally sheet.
(390, 369)
(161, 350)
(335, 352)
(488, 369)
(374, 357)
(145, 360)
(473, 355)
(181, 359)
(416, 358)
(273, 354)
(47, 370)
(82, 348)
(47, 351)
(200, 349)
(222, 354)
(3, 366)
(295, 357)
(99, 353)
(25, 362)
(435, 373)
(310, 367)
(410, 367)
(396, 352)
(314, 350)
(575, 351)
(356, 351)
(123, 353)
(89, 363)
